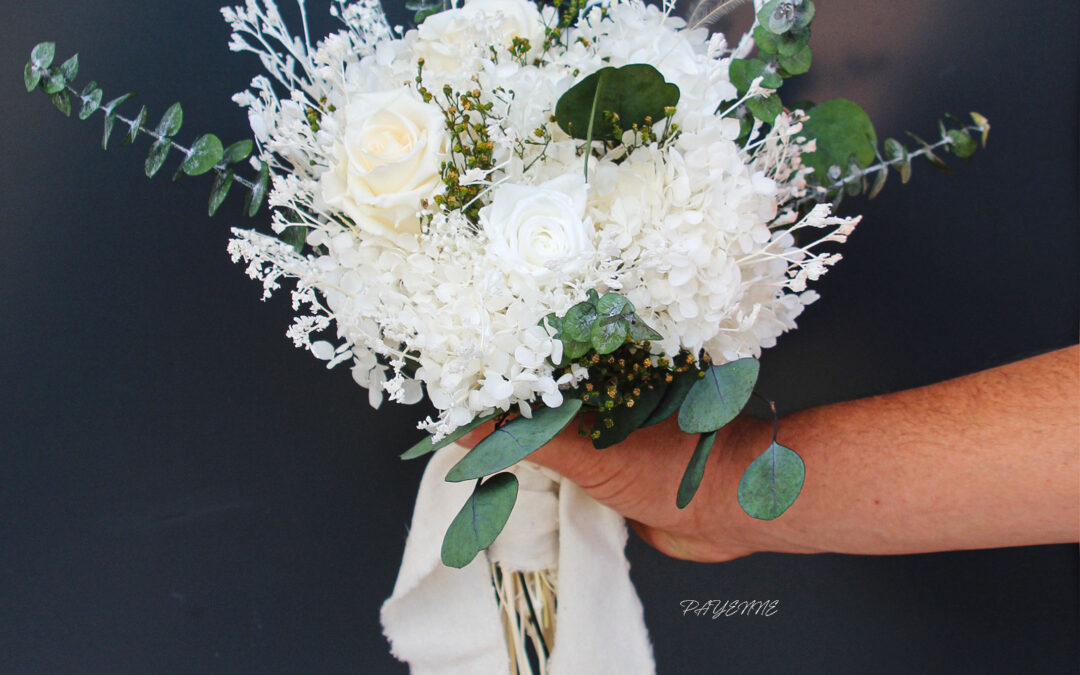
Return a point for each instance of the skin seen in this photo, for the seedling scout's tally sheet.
(982, 461)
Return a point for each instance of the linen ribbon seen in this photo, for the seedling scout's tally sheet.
(445, 621)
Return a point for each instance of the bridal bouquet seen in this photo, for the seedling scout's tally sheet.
(522, 212)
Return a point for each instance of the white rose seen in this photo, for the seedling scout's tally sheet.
(387, 161)
(452, 40)
(539, 229)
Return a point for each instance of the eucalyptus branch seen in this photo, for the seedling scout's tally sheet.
(205, 154)
(959, 141)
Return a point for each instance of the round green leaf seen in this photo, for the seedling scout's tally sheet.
(171, 121)
(31, 76)
(62, 102)
(718, 397)
(238, 151)
(641, 331)
(70, 69)
(91, 101)
(43, 54)
(608, 334)
(577, 324)
(54, 81)
(205, 154)
(799, 62)
(514, 441)
(613, 304)
(765, 109)
(842, 129)
(158, 152)
(480, 520)
(772, 483)
(634, 93)
(695, 470)
(574, 349)
(744, 71)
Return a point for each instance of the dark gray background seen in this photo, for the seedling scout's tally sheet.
(182, 491)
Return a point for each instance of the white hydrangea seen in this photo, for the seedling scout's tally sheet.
(698, 234)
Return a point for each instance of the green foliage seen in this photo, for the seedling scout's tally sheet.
(695, 470)
(783, 16)
(223, 181)
(613, 100)
(601, 325)
(673, 397)
(91, 101)
(207, 154)
(626, 420)
(62, 102)
(258, 191)
(897, 155)
(842, 130)
(171, 121)
(771, 483)
(238, 151)
(426, 446)
(718, 397)
(135, 127)
(744, 71)
(480, 520)
(514, 441)
(159, 151)
(296, 236)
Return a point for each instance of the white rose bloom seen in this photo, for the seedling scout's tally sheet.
(450, 41)
(539, 230)
(386, 162)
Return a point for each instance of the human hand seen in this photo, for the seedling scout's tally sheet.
(640, 477)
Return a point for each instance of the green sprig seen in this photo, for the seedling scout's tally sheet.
(205, 155)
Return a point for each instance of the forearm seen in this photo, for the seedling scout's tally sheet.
(986, 460)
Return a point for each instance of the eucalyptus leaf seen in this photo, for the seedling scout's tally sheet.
(110, 120)
(171, 121)
(765, 109)
(480, 520)
(112, 105)
(842, 129)
(425, 446)
(296, 236)
(223, 180)
(897, 154)
(258, 191)
(43, 54)
(695, 470)
(91, 101)
(613, 304)
(206, 152)
(771, 483)
(743, 72)
(134, 127)
(608, 334)
(635, 93)
(626, 421)
(673, 397)
(514, 441)
(719, 396)
(797, 63)
(238, 151)
(70, 69)
(54, 82)
(31, 76)
(879, 182)
(158, 152)
(767, 41)
(574, 349)
(577, 324)
(961, 143)
(641, 331)
(62, 102)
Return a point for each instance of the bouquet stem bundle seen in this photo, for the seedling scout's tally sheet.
(527, 602)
